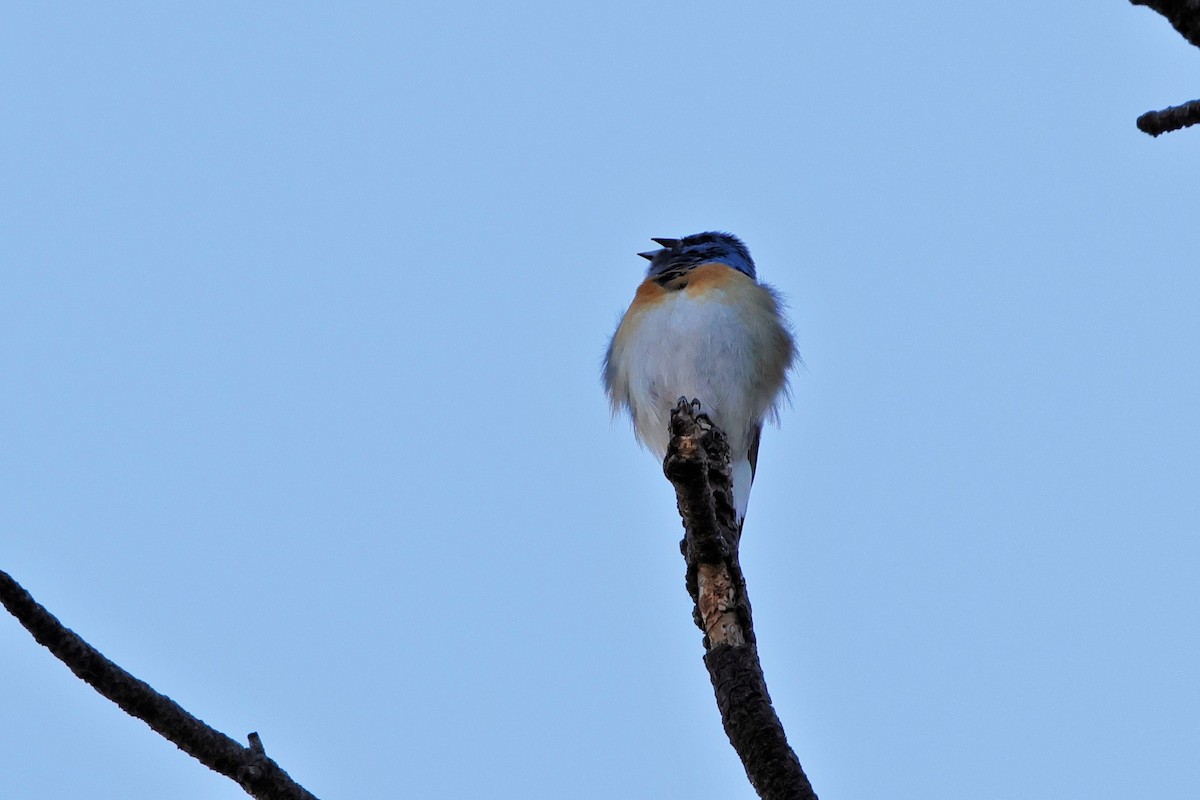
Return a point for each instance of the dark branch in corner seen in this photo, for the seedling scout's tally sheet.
(257, 774)
(1184, 15)
(697, 463)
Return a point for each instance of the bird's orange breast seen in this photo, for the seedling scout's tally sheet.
(695, 282)
(708, 277)
(648, 295)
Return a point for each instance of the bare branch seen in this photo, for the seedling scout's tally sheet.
(1169, 119)
(1184, 16)
(257, 774)
(697, 463)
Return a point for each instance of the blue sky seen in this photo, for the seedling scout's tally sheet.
(301, 331)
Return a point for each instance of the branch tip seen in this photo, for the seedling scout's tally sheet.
(1170, 119)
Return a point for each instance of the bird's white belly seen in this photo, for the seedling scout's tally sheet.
(698, 348)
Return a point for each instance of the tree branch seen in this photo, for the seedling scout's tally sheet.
(697, 463)
(257, 774)
(1184, 16)
(1169, 119)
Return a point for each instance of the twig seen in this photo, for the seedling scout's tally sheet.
(257, 774)
(1169, 119)
(697, 463)
(1184, 16)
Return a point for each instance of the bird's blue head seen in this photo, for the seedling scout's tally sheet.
(680, 255)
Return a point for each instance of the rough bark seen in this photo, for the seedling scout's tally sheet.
(697, 464)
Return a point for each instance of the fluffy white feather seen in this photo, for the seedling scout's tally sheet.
(725, 346)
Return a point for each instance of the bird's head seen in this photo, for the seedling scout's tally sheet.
(700, 248)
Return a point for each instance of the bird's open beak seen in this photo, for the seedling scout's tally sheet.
(667, 243)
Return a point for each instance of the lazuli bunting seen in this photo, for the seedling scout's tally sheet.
(701, 326)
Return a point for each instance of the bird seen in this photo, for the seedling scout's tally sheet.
(702, 327)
